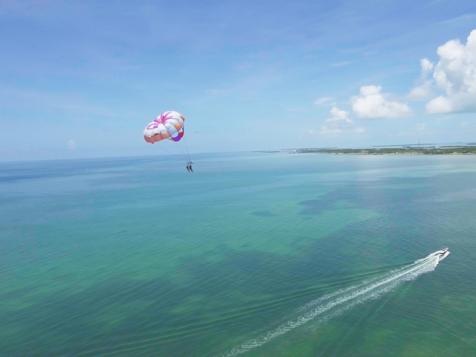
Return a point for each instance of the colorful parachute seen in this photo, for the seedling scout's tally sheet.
(168, 125)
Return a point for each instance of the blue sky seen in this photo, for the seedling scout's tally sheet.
(83, 78)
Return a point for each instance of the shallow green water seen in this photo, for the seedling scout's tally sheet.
(137, 257)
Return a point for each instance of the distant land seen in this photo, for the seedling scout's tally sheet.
(416, 149)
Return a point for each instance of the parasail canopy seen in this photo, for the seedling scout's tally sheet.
(168, 125)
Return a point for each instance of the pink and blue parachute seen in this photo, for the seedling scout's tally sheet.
(168, 125)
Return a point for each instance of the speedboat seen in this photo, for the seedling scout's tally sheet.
(442, 253)
(439, 254)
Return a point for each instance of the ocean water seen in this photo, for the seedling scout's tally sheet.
(260, 254)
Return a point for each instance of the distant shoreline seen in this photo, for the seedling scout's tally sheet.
(450, 150)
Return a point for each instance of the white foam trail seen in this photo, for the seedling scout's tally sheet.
(342, 300)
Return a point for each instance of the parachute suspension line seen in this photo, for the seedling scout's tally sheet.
(168, 125)
(189, 157)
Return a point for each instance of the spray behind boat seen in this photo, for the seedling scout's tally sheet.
(331, 305)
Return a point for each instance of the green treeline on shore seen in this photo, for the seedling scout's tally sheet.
(445, 150)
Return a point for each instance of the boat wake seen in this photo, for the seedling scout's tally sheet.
(333, 304)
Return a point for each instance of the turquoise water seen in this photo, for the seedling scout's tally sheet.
(134, 256)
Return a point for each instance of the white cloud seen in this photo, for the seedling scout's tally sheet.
(426, 65)
(421, 91)
(338, 122)
(323, 101)
(439, 105)
(340, 64)
(372, 103)
(424, 87)
(71, 144)
(454, 76)
(339, 115)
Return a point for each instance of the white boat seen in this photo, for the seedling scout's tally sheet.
(442, 253)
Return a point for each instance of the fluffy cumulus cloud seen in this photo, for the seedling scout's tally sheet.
(454, 75)
(372, 103)
(424, 87)
(339, 121)
(426, 65)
